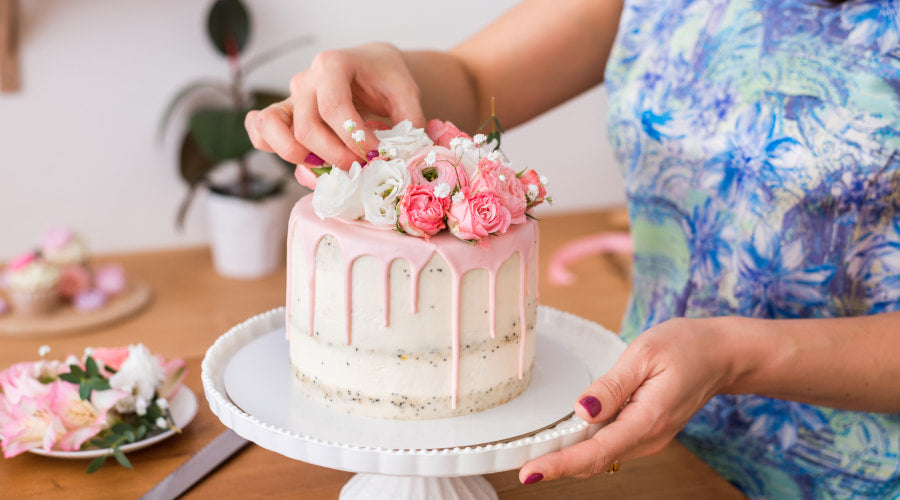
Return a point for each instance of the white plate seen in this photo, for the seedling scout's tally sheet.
(183, 407)
(594, 347)
(259, 381)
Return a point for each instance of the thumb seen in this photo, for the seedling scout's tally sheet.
(603, 399)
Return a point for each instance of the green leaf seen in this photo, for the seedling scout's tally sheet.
(76, 371)
(121, 458)
(182, 94)
(70, 377)
(91, 366)
(228, 26)
(220, 133)
(120, 427)
(494, 135)
(96, 464)
(84, 391)
(263, 98)
(320, 170)
(99, 384)
(140, 432)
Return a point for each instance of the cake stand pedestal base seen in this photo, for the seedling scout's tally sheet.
(379, 487)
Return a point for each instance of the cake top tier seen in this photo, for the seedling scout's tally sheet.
(421, 181)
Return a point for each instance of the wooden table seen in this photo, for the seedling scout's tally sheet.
(193, 306)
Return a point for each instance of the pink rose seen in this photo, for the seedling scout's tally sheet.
(475, 215)
(112, 357)
(495, 176)
(443, 132)
(534, 194)
(73, 280)
(445, 167)
(421, 212)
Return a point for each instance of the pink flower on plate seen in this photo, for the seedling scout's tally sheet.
(421, 211)
(435, 165)
(81, 419)
(110, 279)
(56, 238)
(443, 132)
(73, 280)
(534, 187)
(475, 215)
(112, 357)
(175, 370)
(495, 176)
(20, 381)
(28, 424)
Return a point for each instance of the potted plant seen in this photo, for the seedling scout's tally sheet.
(247, 208)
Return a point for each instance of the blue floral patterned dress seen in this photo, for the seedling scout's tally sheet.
(759, 145)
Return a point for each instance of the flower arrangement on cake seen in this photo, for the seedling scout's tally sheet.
(58, 272)
(104, 399)
(421, 181)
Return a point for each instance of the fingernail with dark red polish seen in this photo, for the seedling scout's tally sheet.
(533, 478)
(372, 155)
(591, 404)
(314, 160)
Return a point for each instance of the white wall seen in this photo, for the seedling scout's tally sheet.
(78, 147)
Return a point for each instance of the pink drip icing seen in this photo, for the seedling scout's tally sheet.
(386, 245)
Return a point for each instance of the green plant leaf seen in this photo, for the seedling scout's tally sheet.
(91, 368)
(70, 377)
(228, 23)
(96, 464)
(182, 94)
(121, 458)
(220, 133)
(84, 391)
(263, 98)
(194, 164)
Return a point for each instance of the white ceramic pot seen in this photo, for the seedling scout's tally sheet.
(248, 237)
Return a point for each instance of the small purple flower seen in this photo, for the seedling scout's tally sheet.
(89, 300)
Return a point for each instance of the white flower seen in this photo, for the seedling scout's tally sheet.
(543, 179)
(458, 197)
(502, 177)
(349, 125)
(405, 140)
(43, 350)
(140, 374)
(381, 186)
(494, 156)
(431, 158)
(359, 135)
(88, 351)
(337, 194)
(442, 190)
(162, 403)
(479, 139)
(161, 423)
(532, 192)
(387, 151)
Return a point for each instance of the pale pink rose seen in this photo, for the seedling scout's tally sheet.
(175, 372)
(56, 238)
(531, 178)
(475, 215)
(73, 280)
(110, 279)
(28, 424)
(421, 212)
(495, 176)
(82, 419)
(20, 381)
(445, 169)
(112, 357)
(443, 132)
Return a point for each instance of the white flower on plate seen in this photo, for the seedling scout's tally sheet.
(442, 190)
(405, 140)
(337, 194)
(383, 181)
(140, 374)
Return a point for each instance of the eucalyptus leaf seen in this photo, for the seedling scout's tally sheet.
(228, 23)
(96, 464)
(91, 368)
(84, 391)
(121, 458)
(220, 133)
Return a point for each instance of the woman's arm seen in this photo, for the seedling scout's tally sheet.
(539, 54)
(671, 370)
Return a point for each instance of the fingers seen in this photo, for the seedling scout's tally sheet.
(619, 441)
(606, 395)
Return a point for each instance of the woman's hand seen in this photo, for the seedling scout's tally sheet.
(349, 84)
(659, 382)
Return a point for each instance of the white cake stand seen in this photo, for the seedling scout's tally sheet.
(441, 458)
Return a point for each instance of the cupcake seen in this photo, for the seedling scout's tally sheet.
(62, 248)
(32, 285)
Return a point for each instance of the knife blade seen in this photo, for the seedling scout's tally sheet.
(214, 454)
